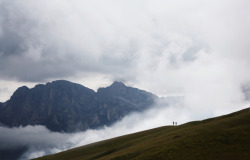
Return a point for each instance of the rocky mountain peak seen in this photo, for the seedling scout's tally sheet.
(117, 84)
(65, 106)
(20, 91)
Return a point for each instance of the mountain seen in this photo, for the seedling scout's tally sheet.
(68, 107)
(138, 99)
(222, 138)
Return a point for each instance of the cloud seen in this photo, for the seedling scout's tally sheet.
(12, 138)
(37, 141)
(198, 50)
(17, 141)
(5, 89)
(129, 40)
(58, 40)
(163, 114)
(40, 141)
(63, 39)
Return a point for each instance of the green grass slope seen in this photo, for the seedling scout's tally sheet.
(221, 138)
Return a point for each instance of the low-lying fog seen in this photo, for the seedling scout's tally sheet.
(39, 141)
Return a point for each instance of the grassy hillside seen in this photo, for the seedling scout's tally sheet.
(222, 138)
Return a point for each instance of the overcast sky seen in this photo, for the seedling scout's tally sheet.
(196, 49)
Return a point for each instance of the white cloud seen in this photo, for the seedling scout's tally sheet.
(195, 49)
(40, 141)
(160, 115)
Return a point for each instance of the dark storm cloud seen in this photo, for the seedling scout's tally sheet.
(34, 49)
(16, 40)
(11, 41)
(46, 40)
(26, 69)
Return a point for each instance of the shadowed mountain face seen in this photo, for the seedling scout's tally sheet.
(68, 107)
(138, 99)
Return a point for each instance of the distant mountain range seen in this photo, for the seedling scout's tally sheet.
(64, 106)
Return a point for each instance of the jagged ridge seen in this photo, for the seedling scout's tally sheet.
(68, 107)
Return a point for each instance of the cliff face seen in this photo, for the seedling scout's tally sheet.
(137, 98)
(68, 107)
